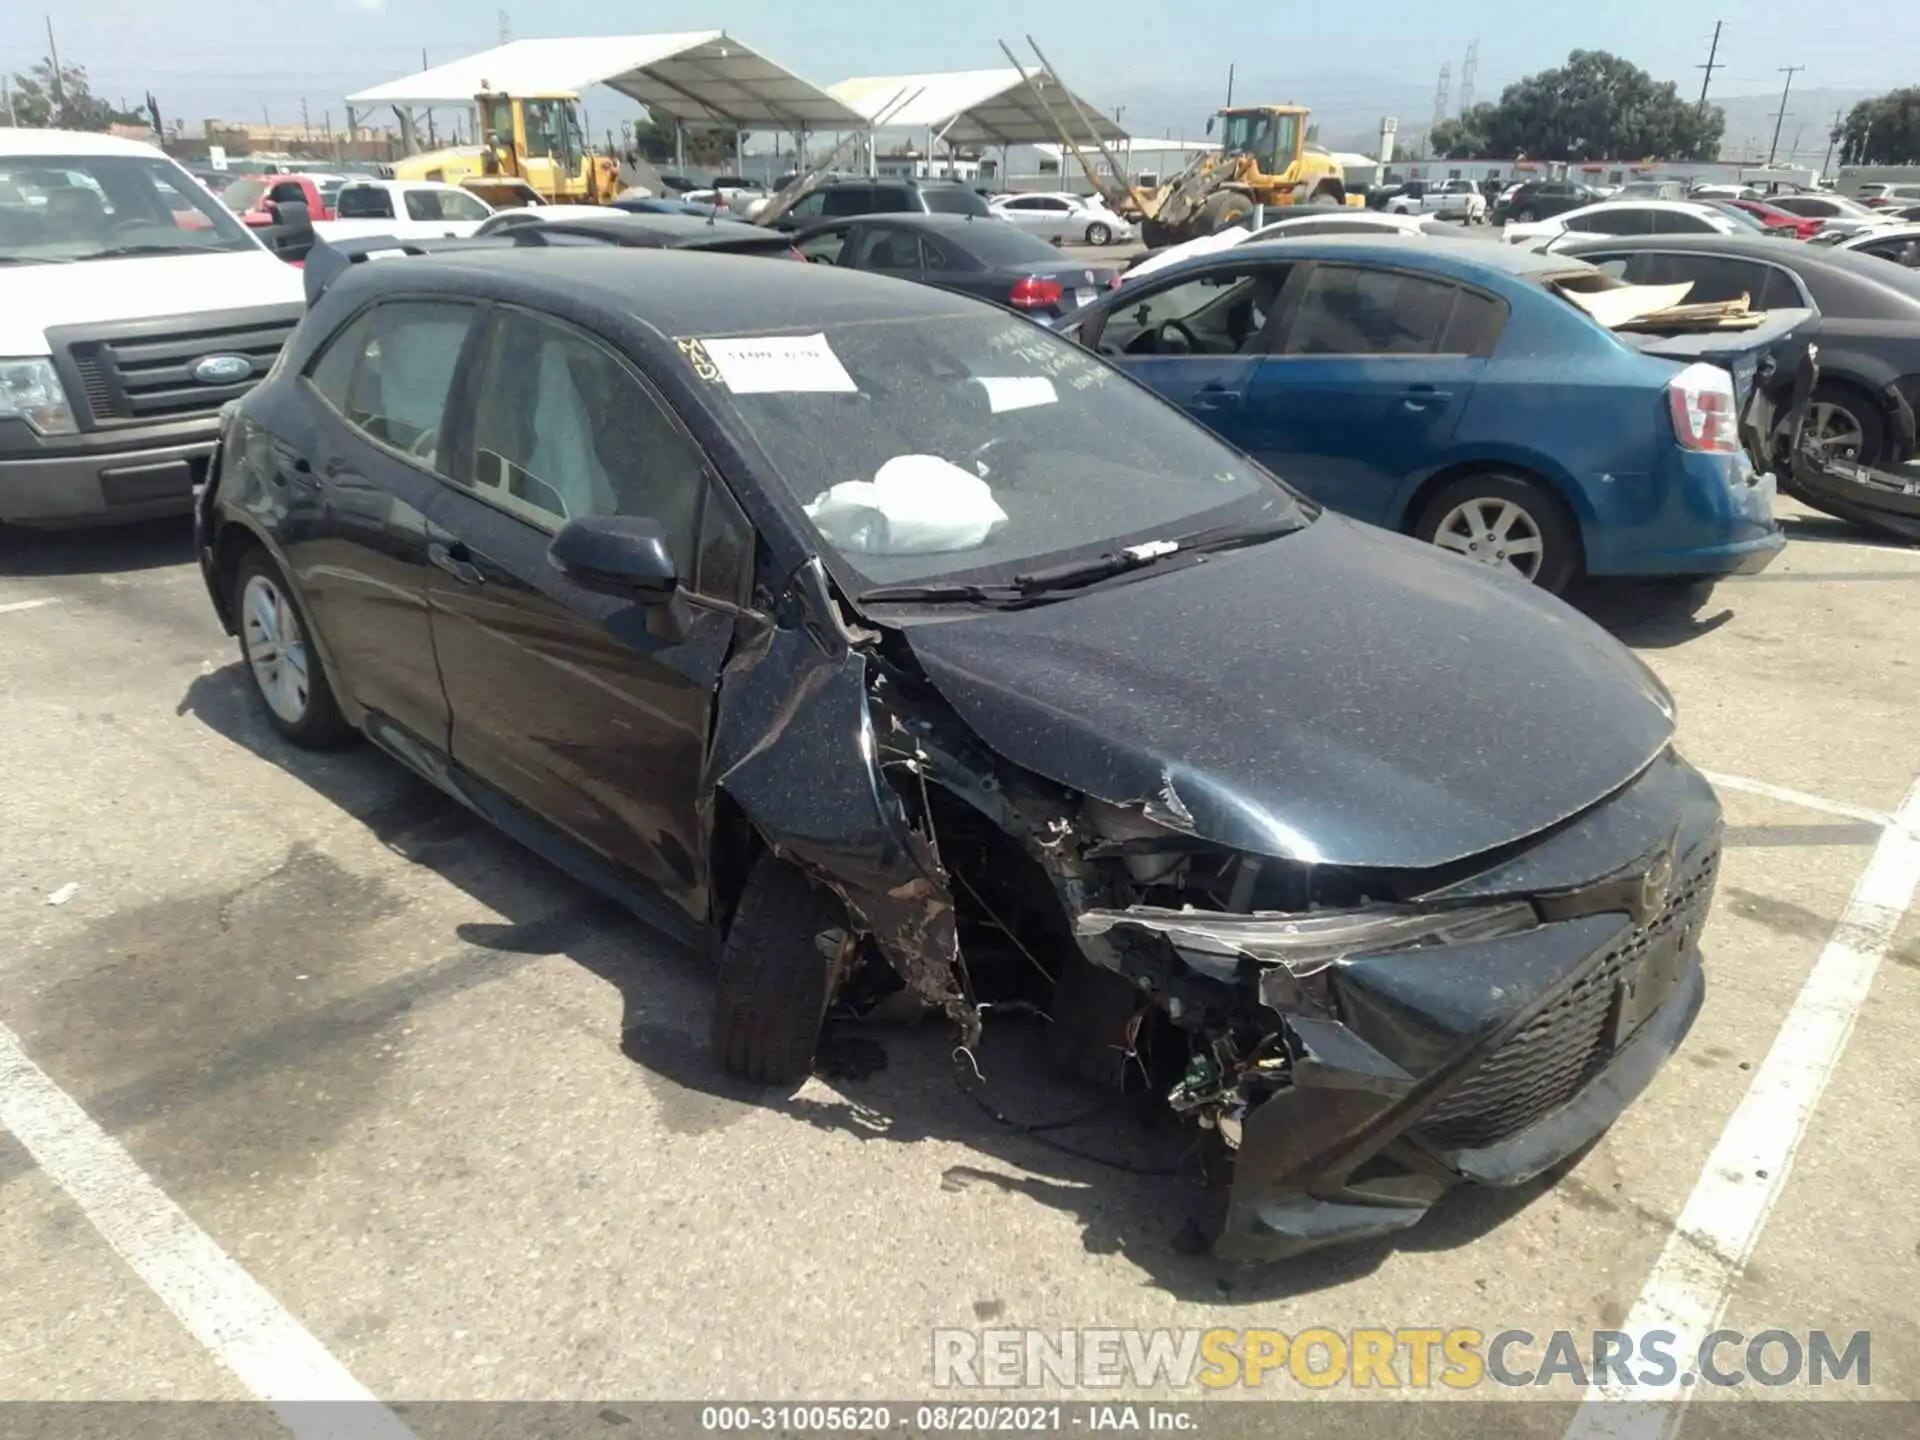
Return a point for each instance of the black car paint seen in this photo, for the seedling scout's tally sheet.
(822, 730)
(986, 279)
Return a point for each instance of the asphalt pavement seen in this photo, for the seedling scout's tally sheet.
(296, 1022)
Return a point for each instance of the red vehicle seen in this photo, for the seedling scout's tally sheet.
(254, 198)
(1774, 218)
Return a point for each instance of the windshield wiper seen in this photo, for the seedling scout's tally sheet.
(948, 592)
(120, 252)
(34, 260)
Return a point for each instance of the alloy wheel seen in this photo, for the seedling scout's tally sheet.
(276, 649)
(1098, 234)
(1494, 532)
(1834, 432)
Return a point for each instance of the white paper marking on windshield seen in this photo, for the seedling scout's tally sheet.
(1017, 392)
(780, 365)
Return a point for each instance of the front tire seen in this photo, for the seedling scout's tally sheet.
(1843, 425)
(1223, 211)
(288, 679)
(774, 981)
(1506, 523)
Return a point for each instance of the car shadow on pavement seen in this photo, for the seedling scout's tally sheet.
(1127, 1172)
(105, 550)
(1827, 530)
(1653, 614)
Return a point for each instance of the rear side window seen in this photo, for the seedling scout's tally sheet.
(365, 202)
(1475, 326)
(332, 373)
(957, 200)
(1350, 311)
(893, 200)
(1715, 278)
(424, 205)
(403, 372)
(1678, 222)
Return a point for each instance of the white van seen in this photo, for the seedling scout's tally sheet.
(133, 305)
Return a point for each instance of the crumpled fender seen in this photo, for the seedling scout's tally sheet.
(795, 748)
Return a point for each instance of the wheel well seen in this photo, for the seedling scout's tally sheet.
(230, 547)
(1440, 479)
(734, 848)
(1333, 187)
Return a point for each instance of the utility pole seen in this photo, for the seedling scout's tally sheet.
(53, 54)
(506, 32)
(1229, 87)
(1713, 53)
(1440, 98)
(1833, 139)
(305, 123)
(1780, 115)
(1468, 68)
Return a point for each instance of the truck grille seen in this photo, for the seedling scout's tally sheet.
(143, 373)
(1555, 1054)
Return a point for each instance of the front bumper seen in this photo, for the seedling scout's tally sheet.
(1486, 1062)
(106, 479)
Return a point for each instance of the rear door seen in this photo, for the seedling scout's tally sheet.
(359, 495)
(568, 702)
(1199, 340)
(1368, 382)
(887, 250)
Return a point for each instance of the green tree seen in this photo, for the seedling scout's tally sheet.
(63, 103)
(1595, 107)
(1884, 130)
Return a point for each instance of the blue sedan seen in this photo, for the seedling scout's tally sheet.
(1453, 392)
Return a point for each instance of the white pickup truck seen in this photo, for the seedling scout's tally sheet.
(405, 209)
(1444, 199)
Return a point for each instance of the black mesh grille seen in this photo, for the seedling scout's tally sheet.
(144, 377)
(1547, 1062)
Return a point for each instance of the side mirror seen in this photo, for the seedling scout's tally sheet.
(622, 554)
(291, 236)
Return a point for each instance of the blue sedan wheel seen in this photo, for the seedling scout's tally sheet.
(1506, 523)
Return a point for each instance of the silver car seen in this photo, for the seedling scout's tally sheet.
(1070, 219)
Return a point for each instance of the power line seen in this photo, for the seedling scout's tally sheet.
(1780, 115)
(1713, 52)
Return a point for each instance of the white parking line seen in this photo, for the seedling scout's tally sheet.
(1743, 1177)
(228, 1311)
(12, 605)
(1796, 797)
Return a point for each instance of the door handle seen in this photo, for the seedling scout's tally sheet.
(1424, 397)
(1217, 397)
(457, 561)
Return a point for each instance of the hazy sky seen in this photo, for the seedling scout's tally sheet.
(229, 57)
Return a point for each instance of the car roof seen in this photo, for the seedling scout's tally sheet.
(609, 221)
(1879, 232)
(1460, 261)
(672, 292)
(918, 220)
(51, 143)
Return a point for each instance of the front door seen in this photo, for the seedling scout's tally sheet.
(571, 703)
(361, 492)
(1367, 384)
(1199, 342)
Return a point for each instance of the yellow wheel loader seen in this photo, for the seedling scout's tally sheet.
(1263, 159)
(528, 142)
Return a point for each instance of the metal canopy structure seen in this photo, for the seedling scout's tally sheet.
(694, 77)
(978, 107)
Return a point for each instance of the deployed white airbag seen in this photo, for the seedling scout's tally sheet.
(914, 505)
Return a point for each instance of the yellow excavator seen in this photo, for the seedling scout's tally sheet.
(1264, 159)
(531, 152)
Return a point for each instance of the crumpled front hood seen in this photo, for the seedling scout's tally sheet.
(1338, 696)
(34, 298)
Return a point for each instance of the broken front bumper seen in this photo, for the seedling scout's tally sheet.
(1881, 499)
(1480, 1059)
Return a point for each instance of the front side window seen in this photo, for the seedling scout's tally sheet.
(402, 372)
(849, 200)
(809, 205)
(61, 208)
(1224, 312)
(458, 205)
(1347, 310)
(969, 444)
(563, 428)
(884, 248)
(893, 200)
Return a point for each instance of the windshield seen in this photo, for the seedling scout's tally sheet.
(57, 208)
(1269, 138)
(1734, 213)
(973, 449)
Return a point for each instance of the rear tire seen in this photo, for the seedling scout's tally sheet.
(1154, 235)
(277, 649)
(1844, 423)
(1525, 217)
(774, 982)
(1098, 233)
(1505, 522)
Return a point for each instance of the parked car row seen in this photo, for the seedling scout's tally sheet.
(614, 526)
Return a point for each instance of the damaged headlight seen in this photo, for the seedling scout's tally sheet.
(1306, 944)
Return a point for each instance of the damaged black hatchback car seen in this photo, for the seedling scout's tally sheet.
(882, 640)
